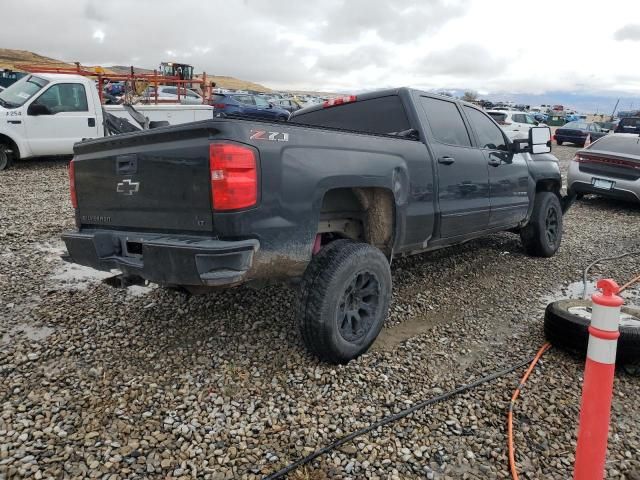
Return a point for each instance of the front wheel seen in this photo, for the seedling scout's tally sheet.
(344, 300)
(5, 157)
(541, 237)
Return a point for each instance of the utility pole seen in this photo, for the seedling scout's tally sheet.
(614, 110)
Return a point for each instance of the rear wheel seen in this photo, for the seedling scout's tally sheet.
(541, 237)
(344, 300)
(559, 142)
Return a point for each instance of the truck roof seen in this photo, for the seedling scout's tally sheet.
(60, 76)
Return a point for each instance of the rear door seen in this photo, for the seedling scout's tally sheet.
(508, 172)
(248, 105)
(72, 119)
(463, 177)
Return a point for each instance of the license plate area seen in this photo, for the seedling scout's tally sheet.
(602, 184)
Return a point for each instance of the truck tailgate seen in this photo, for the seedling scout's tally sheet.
(162, 186)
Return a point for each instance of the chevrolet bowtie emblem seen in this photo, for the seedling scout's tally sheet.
(127, 187)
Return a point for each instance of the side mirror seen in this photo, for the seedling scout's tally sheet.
(540, 139)
(36, 109)
(605, 130)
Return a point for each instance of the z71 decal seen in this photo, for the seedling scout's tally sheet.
(265, 135)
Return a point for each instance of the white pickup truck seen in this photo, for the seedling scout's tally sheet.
(45, 114)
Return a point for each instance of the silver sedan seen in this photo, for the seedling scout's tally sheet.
(609, 167)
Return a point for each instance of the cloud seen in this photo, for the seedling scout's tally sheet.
(396, 22)
(92, 11)
(359, 58)
(628, 32)
(341, 45)
(462, 60)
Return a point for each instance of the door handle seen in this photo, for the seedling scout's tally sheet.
(446, 160)
(495, 163)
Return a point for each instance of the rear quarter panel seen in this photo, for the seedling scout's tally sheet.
(297, 173)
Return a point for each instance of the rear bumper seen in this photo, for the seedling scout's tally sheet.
(582, 183)
(164, 259)
(578, 140)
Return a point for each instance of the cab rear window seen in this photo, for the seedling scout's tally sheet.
(382, 116)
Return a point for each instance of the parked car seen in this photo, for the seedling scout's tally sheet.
(114, 88)
(325, 200)
(515, 122)
(288, 105)
(247, 105)
(609, 167)
(628, 125)
(168, 93)
(540, 117)
(577, 132)
(608, 126)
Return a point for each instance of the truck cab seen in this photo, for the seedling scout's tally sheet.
(45, 114)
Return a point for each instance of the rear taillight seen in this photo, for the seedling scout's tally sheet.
(339, 101)
(219, 106)
(606, 161)
(234, 176)
(72, 183)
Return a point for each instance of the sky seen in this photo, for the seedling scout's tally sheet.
(490, 46)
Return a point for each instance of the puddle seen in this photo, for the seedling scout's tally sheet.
(395, 335)
(78, 277)
(140, 290)
(576, 289)
(70, 276)
(36, 334)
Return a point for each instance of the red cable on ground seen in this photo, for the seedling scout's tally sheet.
(629, 283)
(516, 394)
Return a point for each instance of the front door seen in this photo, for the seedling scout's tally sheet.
(508, 172)
(463, 178)
(68, 120)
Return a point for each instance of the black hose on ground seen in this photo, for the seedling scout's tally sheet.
(586, 270)
(395, 417)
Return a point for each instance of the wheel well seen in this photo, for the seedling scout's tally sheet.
(5, 140)
(549, 185)
(364, 214)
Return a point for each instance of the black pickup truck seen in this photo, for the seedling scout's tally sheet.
(325, 200)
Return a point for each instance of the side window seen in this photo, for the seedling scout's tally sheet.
(246, 99)
(446, 122)
(519, 118)
(64, 97)
(489, 134)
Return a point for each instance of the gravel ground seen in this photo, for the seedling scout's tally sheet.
(105, 383)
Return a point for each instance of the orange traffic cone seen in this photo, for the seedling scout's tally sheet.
(587, 142)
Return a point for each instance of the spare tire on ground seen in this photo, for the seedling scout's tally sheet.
(566, 324)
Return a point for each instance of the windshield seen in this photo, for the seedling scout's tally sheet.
(498, 117)
(17, 94)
